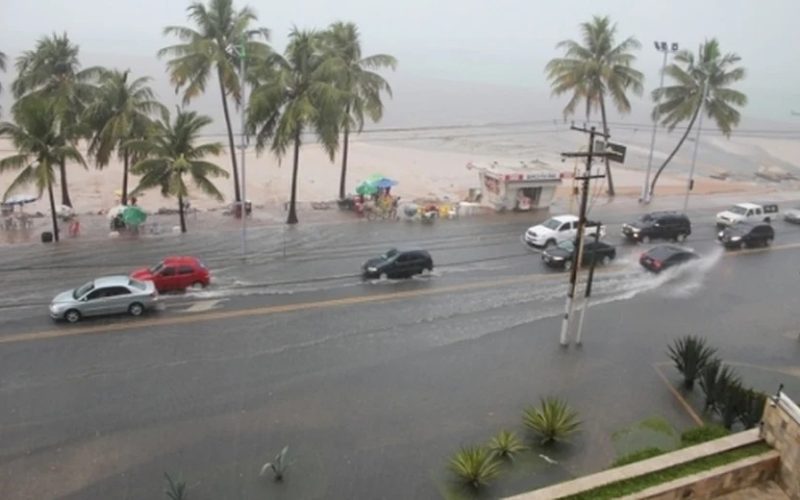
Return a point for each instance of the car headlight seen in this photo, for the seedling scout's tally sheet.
(736, 238)
(635, 229)
(372, 269)
(721, 234)
(556, 257)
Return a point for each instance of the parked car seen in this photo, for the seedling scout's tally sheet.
(658, 225)
(746, 234)
(398, 264)
(747, 212)
(792, 215)
(175, 274)
(665, 256)
(106, 295)
(563, 254)
(559, 228)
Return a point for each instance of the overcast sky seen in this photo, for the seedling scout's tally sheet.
(460, 60)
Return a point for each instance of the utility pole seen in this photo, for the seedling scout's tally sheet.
(588, 287)
(690, 184)
(241, 52)
(666, 50)
(578, 254)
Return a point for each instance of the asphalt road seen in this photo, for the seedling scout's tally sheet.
(372, 385)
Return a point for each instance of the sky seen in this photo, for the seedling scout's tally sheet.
(460, 61)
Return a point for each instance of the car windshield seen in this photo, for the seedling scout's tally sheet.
(83, 290)
(738, 210)
(552, 223)
(645, 218)
(567, 245)
(157, 268)
(663, 253)
(137, 284)
(390, 254)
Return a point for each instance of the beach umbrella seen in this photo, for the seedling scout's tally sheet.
(133, 215)
(20, 199)
(384, 183)
(366, 188)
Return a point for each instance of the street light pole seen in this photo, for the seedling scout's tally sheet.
(241, 51)
(665, 49)
(690, 184)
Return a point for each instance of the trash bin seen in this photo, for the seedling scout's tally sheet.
(47, 237)
(237, 209)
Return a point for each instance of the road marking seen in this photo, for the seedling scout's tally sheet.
(203, 305)
(301, 306)
(686, 406)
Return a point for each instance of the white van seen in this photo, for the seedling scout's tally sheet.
(750, 212)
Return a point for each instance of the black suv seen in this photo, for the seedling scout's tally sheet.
(658, 225)
(746, 234)
(398, 264)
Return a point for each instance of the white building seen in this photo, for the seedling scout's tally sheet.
(517, 187)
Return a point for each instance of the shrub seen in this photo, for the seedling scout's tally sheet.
(752, 408)
(703, 433)
(730, 403)
(636, 456)
(708, 383)
(552, 421)
(506, 444)
(475, 466)
(278, 465)
(690, 355)
(176, 490)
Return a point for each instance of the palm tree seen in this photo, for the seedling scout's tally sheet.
(210, 45)
(353, 76)
(598, 68)
(293, 95)
(170, 153)
(683, 101)
(40, 146)
(120, 113)
(52, 71)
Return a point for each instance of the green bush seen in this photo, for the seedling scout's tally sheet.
(552, 421)
(702, 434)
(475, 466)
(731, 403)
(638, 455)
(690, 355)
(708, 383)
(176, 489)
(752, 408)
(506, 444)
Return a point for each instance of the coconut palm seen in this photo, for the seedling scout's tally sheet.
(52, 71)
(595, 69)
(362, 87)
(211, 46)
(170, 154)
(40, 145)
(294, 95)
(120, 113)
(684, 100)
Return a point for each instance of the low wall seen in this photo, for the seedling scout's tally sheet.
(735, 476)
(780, 428)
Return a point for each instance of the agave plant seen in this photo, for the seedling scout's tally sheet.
(552, 421)
(475, 466)
(690, 354)
(716, 389)
(730, 403)
(708, 383)
(278, 466)
(176, 490)
(752, 408)
(506, 444)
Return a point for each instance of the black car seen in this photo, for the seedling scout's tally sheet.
(398, 264)
(746, 234)
(562, 255)
(658, 225)
(665, 256)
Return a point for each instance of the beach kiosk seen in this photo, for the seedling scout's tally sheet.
(527, 186)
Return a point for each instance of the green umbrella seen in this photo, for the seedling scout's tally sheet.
(366, 188)
(133, 216)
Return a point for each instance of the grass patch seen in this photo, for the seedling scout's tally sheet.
(633, 485)
(637, 456)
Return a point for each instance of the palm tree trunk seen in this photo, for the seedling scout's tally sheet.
(674, 151)
(64, 191)
(292, 219)
(236, 192)
(344, 159)
(53, 210)
(125, 178)
(180, 213)
(605, 131)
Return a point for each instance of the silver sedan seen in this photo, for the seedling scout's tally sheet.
(107, 295)
(792, 215)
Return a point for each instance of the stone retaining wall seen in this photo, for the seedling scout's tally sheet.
(780, 428)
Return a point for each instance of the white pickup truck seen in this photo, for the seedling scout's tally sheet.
(559, 228)
(747, 212)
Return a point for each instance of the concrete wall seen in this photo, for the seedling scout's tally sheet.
(780, 428)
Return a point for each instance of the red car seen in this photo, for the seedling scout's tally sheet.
(175, 273)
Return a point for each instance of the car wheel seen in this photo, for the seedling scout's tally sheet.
(567, 265)
(383, 276)
(135, 309)
(72, 316)
(681, 237)
(767, 242)
(645, 239)
(197, 286)
(549, 243)
(606, 260)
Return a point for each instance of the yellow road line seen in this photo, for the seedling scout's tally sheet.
(267, 310)
(686, 406)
